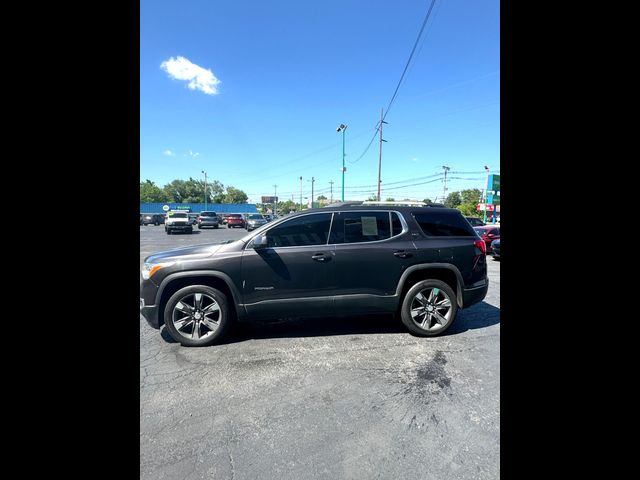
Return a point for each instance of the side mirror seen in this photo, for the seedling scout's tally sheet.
(259, 241)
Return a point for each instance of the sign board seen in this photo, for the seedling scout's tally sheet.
(493, 183)
(494, 199)
(186, 208)
(269, 199)
(481, 207)
(165, 208)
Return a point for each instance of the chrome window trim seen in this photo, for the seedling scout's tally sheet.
(403, 222)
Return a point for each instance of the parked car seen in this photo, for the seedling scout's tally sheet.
(495, 249)
(421, 263)
(235, 220)
(177, 222)
(488, 234)
(224, 218)
(193, 218)
(254, 221)
(475, 222)
(208, 219)
(140, 219)
(152, 219)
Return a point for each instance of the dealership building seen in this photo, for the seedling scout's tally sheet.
(199, 207)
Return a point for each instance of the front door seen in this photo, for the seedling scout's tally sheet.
(295, 273)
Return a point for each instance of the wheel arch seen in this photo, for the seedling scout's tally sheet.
(445, 272)
(218, 280)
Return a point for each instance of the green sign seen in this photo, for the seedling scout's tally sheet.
(494, 183)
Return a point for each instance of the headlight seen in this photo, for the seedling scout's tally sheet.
(148, 269)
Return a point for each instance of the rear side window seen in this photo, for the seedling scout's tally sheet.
(444, 224)
(396, 226)
(355, 227)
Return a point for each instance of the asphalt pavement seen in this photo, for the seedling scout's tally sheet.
(331, 398)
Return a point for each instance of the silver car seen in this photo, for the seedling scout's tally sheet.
(254, 220)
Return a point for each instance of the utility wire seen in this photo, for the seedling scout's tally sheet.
(424, 23)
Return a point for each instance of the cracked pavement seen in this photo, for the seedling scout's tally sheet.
(347, 397)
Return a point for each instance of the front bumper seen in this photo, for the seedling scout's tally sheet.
(150, 314)
(180, 227)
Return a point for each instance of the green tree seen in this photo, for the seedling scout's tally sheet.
(372, 198)
(216, 193)
(428, 201)
(235, 195)
(453, 200)
(322, 197)
(471, 196)
(151, 193)
(390, 199)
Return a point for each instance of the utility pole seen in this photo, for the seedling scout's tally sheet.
(205, 189)
(380, 157)
(275, 203)
(312, 182)
(331, 183)
(444, 192)
(486, 187)
(300, 192)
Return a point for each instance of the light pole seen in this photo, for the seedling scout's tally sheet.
(205, 189)
(342, 128)
(486, 187)
(300, 192)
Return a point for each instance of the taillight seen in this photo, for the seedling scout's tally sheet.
(481, 246)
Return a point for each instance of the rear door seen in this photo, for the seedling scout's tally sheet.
(372, 248)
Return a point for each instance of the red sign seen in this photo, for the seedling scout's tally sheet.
(481, 206)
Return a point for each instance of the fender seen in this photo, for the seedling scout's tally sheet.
(424, 266)
(202, 273)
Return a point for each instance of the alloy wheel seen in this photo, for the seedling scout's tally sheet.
(196, 316)
(431, 309)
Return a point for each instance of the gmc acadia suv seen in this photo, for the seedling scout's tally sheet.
(421, 263)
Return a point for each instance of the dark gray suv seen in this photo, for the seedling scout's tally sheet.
(421, 263)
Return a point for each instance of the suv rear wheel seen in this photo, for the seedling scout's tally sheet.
(197, 316)
(429, 308)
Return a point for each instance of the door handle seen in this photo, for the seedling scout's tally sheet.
(402, 254)
(320, 257)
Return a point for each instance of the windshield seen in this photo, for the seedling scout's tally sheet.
(208, 214)
(178, 215)
(255, 217)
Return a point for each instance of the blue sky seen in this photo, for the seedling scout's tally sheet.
(271, 81)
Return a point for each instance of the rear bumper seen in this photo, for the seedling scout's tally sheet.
(474, 295)
(185, 228)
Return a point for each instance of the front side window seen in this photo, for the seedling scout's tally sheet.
(356, 227)
(301, 231)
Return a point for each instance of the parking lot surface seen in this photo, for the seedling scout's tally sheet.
(347, 397)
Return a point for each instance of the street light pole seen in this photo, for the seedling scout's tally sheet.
(300, 192)
(486, 187)
(341, 128)
(205, 189)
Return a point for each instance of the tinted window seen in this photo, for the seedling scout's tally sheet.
(444, 224)
(396, 226)
(306, 230)
(354, 227)
(208, 214)
(495, 231)
(255, 217)
(177, 215)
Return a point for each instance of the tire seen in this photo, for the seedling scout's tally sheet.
(168, 231)
(419, 299)
(181, 325)
(215, 226)
(199, 227)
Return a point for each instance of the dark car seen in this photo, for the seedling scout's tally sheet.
(420, 263)
(495, 249)
(152, 219)
(475, 222)
(254, 220)
(208, 219)
(235, 220)
(488, 234)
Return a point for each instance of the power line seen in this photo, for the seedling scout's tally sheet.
(424, 23)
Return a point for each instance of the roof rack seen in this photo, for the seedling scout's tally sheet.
(342, 204)
(408, 203)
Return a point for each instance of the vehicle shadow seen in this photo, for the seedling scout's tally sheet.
(481, 315)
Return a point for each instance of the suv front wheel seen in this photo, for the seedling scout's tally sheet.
(197, 316)
(429, 308)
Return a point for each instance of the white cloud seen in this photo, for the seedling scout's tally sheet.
(199, 78)
(414, 159)
(169, 153)
(192, 154)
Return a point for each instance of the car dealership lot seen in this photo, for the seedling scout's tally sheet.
(349, 397)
